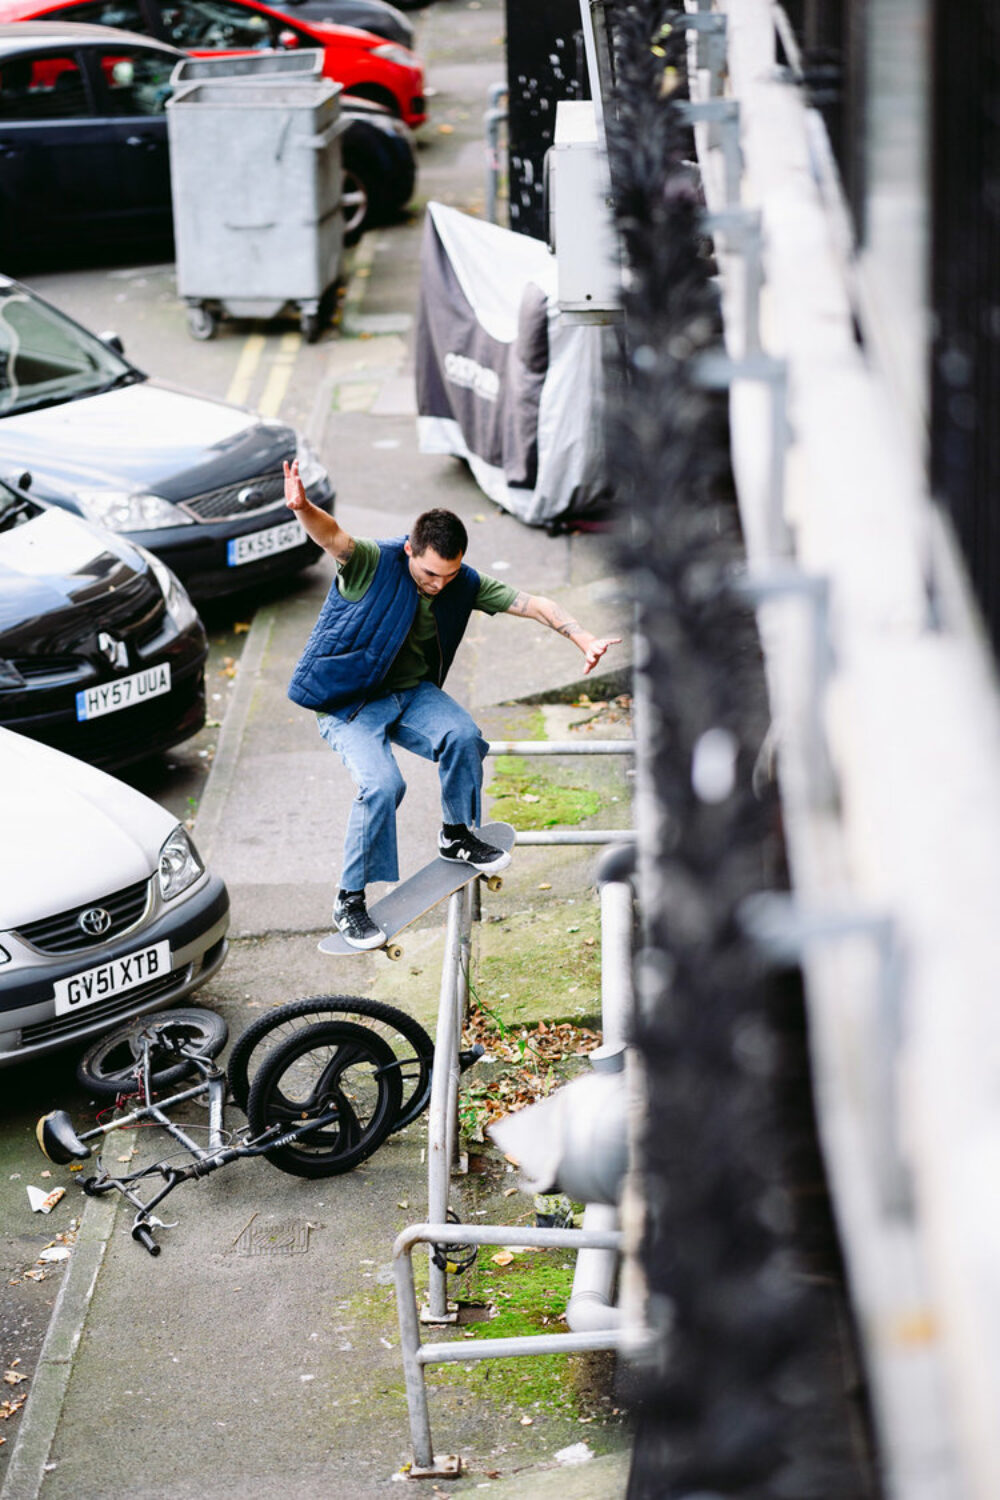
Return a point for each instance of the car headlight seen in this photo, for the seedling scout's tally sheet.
(311, 471)
(394, 53)
(175, 595)
(179, 864)
(121, 511)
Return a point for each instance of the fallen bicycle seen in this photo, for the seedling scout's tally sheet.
(322, 1082)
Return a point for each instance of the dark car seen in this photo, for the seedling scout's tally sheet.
(83, 143)
(101, 651)
(367, 15)
(197, 481)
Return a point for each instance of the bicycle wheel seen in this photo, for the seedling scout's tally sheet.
(412, 1047)
(330, 1065)
(111, 1066)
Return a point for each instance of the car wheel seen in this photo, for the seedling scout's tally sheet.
(354, 199)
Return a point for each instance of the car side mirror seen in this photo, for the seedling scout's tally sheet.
(22, 481)
(288, 40)
(113, 341)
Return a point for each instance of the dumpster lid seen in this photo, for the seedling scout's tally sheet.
(297, 91)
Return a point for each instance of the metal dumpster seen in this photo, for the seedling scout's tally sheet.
(256, 185)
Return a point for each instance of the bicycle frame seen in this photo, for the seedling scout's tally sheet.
(219, 1152)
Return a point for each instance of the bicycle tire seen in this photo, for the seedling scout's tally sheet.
(109, 1067)
(306, 1075)
(414, 1068)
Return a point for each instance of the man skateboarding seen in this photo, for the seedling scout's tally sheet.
(372, 671)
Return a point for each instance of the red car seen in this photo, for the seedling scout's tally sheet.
(365, 64)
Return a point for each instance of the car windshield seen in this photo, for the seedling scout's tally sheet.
(46, 359)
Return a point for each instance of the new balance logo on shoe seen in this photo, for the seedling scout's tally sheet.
(350, 917)
(470, 850)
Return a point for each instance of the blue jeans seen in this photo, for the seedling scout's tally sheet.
(426, 721)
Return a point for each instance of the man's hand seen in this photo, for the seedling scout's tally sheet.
(323, 529)
(295, 490)
(596, 648)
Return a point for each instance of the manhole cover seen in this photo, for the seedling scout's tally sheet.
(287, 1237)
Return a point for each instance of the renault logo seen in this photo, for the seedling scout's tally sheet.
(115, 651)
(94, 921)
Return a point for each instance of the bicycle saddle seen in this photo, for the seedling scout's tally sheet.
(58, 1139)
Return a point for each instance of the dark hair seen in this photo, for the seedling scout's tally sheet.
(441, 530)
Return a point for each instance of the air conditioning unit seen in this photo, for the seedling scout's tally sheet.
(582, 235)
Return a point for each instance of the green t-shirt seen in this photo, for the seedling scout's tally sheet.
(417, 658)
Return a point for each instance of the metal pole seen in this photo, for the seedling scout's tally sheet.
(561, 747)
(577, 836)
(439, 1131)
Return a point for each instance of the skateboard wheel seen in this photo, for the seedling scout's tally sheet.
(494, 882)
(393, 951)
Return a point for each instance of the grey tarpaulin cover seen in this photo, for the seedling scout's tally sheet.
(502, 380)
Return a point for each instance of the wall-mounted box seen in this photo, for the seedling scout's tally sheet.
(581, 227)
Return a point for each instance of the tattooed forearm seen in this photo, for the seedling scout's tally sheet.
(547, 612)
(345, 551)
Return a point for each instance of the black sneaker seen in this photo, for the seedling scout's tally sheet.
(467, 849)
(350, 917)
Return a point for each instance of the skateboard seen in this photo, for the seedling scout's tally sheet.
(413, 897)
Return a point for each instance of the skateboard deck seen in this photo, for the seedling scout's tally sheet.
(413, 897)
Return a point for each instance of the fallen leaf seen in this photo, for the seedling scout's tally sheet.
(545, 885)
(241, 627)
(502, 1258)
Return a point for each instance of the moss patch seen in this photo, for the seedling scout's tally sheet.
(529, 1296)
(542, 965)
(525, 797)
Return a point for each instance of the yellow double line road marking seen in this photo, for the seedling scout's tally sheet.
(278, 377)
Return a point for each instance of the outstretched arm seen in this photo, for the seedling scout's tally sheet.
(323, 529)
(547, 612)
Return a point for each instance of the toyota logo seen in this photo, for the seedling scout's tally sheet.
(94, 921)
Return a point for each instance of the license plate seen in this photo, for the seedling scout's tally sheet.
(124, 692)
(114, 978)
(245, 549)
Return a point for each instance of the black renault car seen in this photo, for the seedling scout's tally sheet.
(197, 481)
(102, 653)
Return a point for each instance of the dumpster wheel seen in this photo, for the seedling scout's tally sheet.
(203, 321)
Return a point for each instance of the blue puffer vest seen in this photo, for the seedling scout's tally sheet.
(352, 646)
